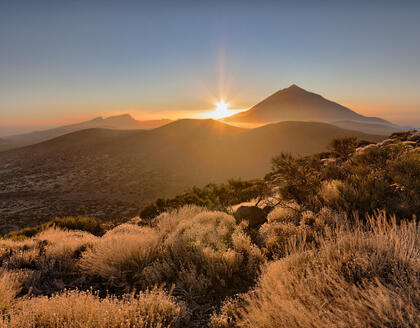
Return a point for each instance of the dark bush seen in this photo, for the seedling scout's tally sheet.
(66, 223)
(343, 147)
(378, 176)
(296, 179)
(211, 196)
(78, 223)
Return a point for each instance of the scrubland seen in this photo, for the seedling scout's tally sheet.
(340, 248)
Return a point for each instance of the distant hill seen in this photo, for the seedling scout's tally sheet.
(3, 142)
(111, 174)
(120, 122)
(297, 104)
(373, 128)
(6, 144)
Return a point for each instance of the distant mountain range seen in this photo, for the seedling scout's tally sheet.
(120, 122)
(290, 104)
(110, 168)
(297, 104)
(109, 174)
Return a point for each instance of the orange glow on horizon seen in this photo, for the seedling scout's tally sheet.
(221, 110)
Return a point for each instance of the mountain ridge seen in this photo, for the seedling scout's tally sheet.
(120, 122)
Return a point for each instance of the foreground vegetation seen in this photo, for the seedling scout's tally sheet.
(340, 249)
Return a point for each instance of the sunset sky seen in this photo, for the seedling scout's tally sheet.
(67, 61)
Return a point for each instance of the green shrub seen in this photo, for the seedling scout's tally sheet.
(296, 179)
(378, 176)
(66, 223)
(386, 178)
(212, 197)
(78, 223)
(343, 147)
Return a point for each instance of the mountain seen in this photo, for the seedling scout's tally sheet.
(297, 104)
(110, 174)
(120, 122)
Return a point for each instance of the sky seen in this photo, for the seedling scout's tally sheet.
(67, 61)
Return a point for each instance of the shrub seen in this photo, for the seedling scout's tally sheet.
(78, 223)
(378, 176)
(24, 233)
(386, 177)
(67, 223)
(288, 213)
(212, 256)
(228, 314)
(122, 255)
(279, 239)
(50, 261)
(211, 196)
(330, 191)
(364, 278)
(205, 254)
(343, 147)
(296, 179)
(9, 288)
(154, 308)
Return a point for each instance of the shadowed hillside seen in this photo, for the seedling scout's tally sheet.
(381, 129)
(110, 174)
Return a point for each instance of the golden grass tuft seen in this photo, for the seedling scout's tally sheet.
(203, 253)
(122, 255)
(9, 288)
(287, 213)
(84, 309)
(364, 278)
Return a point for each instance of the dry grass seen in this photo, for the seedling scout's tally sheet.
(9, 288)
(308, 266)
(287, 213)
(153, 308)
(48, 261)
(363, 278)
(279, 239)
(318, 270)
(214, 255)
(330, 191)
(56, 246)
(203, 253)
(122, 256)
(61, 246)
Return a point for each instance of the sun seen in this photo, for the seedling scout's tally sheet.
(221, 110)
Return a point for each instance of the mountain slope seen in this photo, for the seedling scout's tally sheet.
(297, 104)
(373, 128)
(120, 122)
(111, 174)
